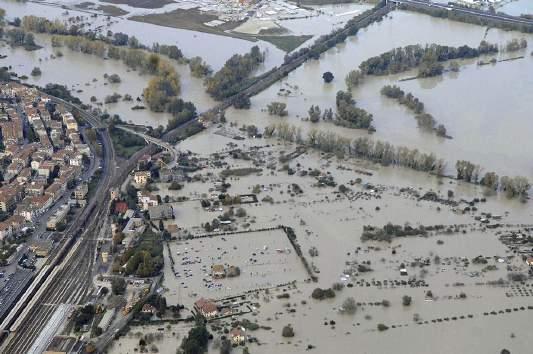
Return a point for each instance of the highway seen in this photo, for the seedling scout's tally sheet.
(71, 278)
(475, 12)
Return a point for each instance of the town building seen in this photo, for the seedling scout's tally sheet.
(207, 308)
(141, 178)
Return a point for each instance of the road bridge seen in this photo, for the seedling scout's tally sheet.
(151, 140)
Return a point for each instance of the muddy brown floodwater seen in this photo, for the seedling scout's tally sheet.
(333, 224)
(485, 120)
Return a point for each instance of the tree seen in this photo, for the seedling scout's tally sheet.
(328, 77)
(454, 67)
(406, 300)
(196, 340)
(118, 285)
(382, 327)
(232, 77)
(114, 78)
(225, 346)
(277, 108)
(240, 213)
(354, 78)
(441, 130)
(160, 89)
(314, 114)
(198, 67)
(490, 180)
(242, 102)
(36, 71)
(29, 41)
(349, 305)
(287, 332)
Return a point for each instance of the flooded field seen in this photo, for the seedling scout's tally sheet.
(77, 71)
(472, 116)
(468, 299)
(191, 43)
(264, 258)
(310, 251)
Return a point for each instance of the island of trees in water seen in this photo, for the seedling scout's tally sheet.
(428, 58)
(424, 120)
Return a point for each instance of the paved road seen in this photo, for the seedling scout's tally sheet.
(150, 139)
(475, 12)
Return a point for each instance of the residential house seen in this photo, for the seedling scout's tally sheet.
(161, 212)
(121, 208)
(13, 170)
(148, 309)
(55, 190)
(207, 308)
(134, 226)
(46, 168)
(218, 271)
(144, 162)
(24, 175)
(34, 188)
(237, 335)
(146, 200)
(141, 178)
(41, 203)
(81, 191)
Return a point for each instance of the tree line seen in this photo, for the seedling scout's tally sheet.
(361, 147)
(468, 18)
(232, 77)
(387, 154)
(330, 40)
(428, 58)
(424, 120)
(517, 186)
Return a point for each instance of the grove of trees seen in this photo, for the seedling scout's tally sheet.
(277, 109)
(428, 58)
(231, 78)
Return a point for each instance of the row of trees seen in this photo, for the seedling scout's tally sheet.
(361, 147)
(469, 18)
(18, 37)
(425, 120)
(388, 154)
(517, 186)
(428, 58)
(330, 40)
(231, 78)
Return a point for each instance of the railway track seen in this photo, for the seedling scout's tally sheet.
(72, 285)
